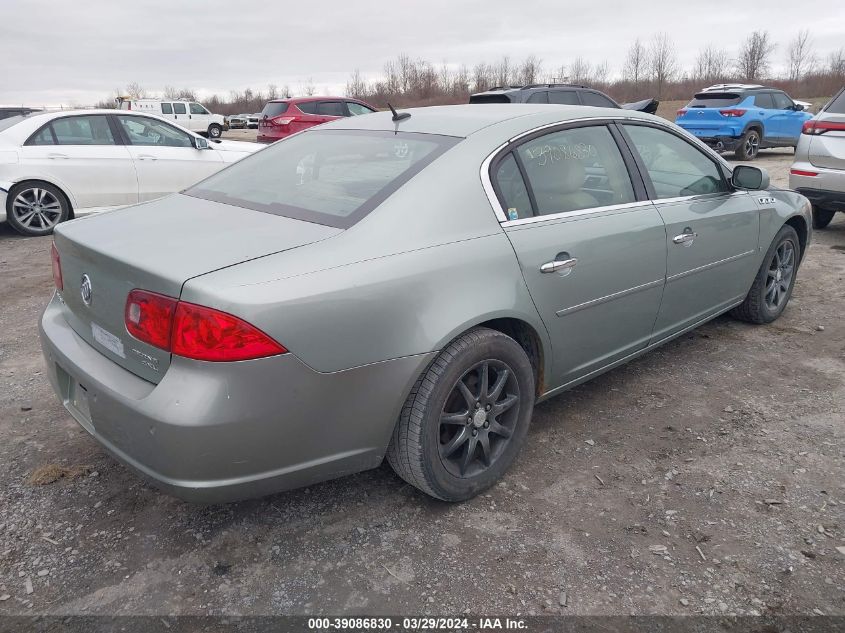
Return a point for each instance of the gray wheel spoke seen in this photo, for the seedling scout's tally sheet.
(455, 443)
(500, 430)
(496, 391)
(504, 404)
(469, 454)
(484, 442)
(467, 394)
(455, 418)
(483, 380)
(26, 219)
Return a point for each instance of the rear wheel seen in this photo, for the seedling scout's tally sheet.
(822, 217)
(35, 208)
(749, 145)
(466, 418)
(214, 131)
(774, 282)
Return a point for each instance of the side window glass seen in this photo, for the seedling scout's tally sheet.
(308, 107)
(512, 190)
(144, 131)
(574, 169)
(179, 108)
(356, 109)
(539, 97)
(198, 109)
(764, 101)
(595, 99)
(166, 108)
(330, 108)
(43, 137)
(83, 130)
(676, 168)
(563, 97)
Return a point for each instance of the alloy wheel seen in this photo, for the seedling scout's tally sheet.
(781, 271)
(37, 208)
(752, 145)
(479, 418)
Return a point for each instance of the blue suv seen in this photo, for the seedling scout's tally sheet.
(743, 118)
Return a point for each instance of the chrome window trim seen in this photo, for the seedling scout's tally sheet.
(487, 183)
(578, 213)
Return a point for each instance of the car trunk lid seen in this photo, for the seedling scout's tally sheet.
(157, 247)
(828, 149)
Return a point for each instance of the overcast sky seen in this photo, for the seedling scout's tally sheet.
(79, 51)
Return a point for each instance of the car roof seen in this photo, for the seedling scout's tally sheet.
(467, 119)
(304, 99)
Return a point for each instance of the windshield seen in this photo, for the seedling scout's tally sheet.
(331, 177)
(274, 108)
(714, 100)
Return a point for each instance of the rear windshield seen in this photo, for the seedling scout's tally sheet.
(274, 109)
(10, 121)
(489, 99)
(714, 100)
(331, 177)
(837, 105)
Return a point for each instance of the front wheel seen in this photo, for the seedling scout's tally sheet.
(466, 418)
(35, 208)
(774, 282)
(749, 145)
(822, 217)
(214, 131)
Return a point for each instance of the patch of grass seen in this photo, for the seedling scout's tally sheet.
(51, 473)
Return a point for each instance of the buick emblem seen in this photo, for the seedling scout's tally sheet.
(86, 290)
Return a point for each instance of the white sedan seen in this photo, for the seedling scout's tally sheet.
(56, 165)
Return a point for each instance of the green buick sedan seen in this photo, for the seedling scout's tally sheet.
(402, 285)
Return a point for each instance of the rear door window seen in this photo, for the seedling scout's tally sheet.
(564, 97)
(308, 107)
(539, 97)
(166, 108)
(512, 190)
(331, 177)
(578, 168)
(44, 136)
(331, 108)
(764, 101)
(595, 99)
(715, 100)
(179, 108)
(83, 130)
(141, 130)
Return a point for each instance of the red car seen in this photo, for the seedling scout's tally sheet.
(283, 117)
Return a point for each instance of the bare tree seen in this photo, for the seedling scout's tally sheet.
(711, 64)
(601, 73)
(135, 91)
(755, 56)
(529, 71)
(580, 71)
(800, 56)
(503, 71)
(357, 85)
(662, 65)
(308, 88)
(836, 64)
(272, 91)
(635, 62)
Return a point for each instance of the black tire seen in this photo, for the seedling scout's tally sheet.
(214, 131)
(822, 217)
(749, 145)
(421, 436)
(762, 305)
(35, 207)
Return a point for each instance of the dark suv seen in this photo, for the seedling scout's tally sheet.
(563, 94)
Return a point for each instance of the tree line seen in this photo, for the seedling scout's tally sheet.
(650, 68)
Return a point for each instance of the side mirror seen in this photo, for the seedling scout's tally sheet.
(797, 107)
(200, 142)
(748, 177)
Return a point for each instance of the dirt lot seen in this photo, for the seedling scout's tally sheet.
(707, 477)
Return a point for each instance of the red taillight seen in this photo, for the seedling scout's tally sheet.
(802, 172)
(682, 112)
(732, 112)
(57, 267)
(149, 317)
(193, 331)
(816, 128)
(206, 334)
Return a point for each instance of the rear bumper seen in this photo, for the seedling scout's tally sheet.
(721, 143)
(824, 199)
(264, 137)
(826, 189)
(215, 432)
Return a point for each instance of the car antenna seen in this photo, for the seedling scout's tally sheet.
(398, 116)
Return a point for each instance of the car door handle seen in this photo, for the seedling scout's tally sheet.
(685, 238)
(146, 157)
(54, 156)
(559, 265)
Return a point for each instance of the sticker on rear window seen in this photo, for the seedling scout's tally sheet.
(108, 340)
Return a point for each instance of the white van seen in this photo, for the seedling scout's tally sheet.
(189, 114)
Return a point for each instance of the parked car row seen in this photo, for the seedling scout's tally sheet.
(189, 114)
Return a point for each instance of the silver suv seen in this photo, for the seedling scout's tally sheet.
(819, 168)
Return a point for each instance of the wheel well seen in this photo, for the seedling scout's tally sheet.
(798, 223)
(529, 340)
(70, 214)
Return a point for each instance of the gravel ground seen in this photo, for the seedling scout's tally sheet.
(706, 477)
